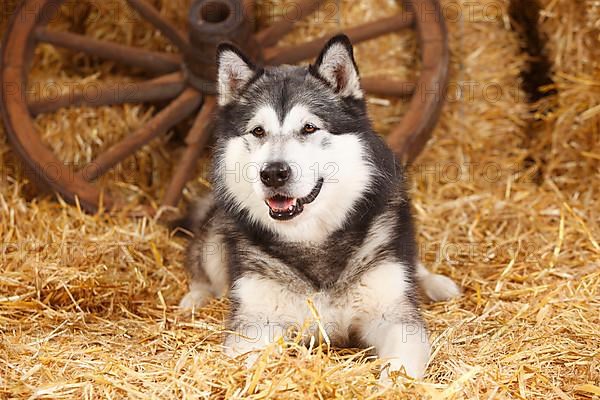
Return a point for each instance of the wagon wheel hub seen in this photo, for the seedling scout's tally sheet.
(211, 22)
(187, 80)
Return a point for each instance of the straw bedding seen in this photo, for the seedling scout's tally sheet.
(507, 198)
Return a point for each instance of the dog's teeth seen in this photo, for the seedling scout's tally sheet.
(290, 208)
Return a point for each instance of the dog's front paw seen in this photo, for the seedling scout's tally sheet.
(235, 346)
(414, 368)
(197, 297)
(405, 348)
(249, 361)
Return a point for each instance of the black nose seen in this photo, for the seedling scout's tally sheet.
(275, 174)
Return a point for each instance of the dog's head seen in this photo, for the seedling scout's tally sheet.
(295, 149)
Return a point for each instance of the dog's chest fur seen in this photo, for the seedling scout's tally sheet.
(379, 234)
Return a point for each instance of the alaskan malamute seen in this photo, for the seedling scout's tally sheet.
(308, 203)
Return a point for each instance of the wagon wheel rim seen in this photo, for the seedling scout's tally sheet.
(189, 85)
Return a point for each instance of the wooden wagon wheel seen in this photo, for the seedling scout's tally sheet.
(187, 81)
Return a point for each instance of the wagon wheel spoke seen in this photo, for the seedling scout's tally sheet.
(169, 30)
(195, 141)
(175, 112)
(151, 61)
(360, 33)
(387, 86)
(272, 34)
(106, 94)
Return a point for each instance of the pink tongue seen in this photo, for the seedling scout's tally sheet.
(280, 204)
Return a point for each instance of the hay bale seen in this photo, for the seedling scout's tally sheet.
(569, 141)
(87, 303)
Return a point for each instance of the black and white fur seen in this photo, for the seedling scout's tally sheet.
(351, 250)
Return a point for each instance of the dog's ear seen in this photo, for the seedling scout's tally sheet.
(337, 67)
(234, 71)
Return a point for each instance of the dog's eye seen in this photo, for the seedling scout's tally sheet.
(309, 128)
(258, 131)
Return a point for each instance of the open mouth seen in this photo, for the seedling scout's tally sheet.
(284, 208)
